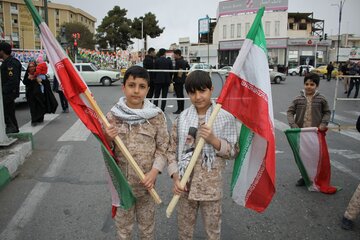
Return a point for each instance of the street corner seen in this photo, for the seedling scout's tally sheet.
(13, 156)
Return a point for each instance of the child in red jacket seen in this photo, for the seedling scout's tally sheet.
(41, 71)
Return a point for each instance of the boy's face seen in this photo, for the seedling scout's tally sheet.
(310, 87)
(201, 99)
(135, 90)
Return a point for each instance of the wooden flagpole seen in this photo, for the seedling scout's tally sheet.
(192, 162)
(121, 145)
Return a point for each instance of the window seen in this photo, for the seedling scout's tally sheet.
(87, 68)
(14, 20)
(267, 28)
(224, 32)
(15, 34)
(238, 30)
(186, 51)
(13, 6)
(77, 67)
(277, 28)
(57, 23)
(57, 12)
(247, 28)
(302, 26)
(71, 15)
(82, 18)
(232, 30)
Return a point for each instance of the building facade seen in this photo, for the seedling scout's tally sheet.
(18, 28)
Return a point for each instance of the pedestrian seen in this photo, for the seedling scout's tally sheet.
(10, 83)
(179, 79)
(149, 64)
(57, 88)
(329, 69)
(301, 71)
(41, 101)
(344, 71)
(203, 191)
(354, 81)
(163, 79)
(309, 109)
(353, 208)
(142, 127)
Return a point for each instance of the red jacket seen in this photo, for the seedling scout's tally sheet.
(41, 68)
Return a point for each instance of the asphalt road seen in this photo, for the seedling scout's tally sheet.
(61, 191)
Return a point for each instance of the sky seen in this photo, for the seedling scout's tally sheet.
(180, 17)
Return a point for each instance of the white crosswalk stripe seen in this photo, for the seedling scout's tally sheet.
(77, 132)
(47, 119)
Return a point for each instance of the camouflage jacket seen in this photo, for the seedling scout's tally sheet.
(146, 142)
(203, 185)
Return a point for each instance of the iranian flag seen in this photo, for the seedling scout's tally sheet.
(247, 95)
(312, 157)
(73, 87)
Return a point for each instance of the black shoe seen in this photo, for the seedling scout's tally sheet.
(347, 224)
(177, 112)
(300, 182)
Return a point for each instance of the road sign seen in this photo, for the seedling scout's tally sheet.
(309, 42)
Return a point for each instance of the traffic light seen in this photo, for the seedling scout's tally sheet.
(325, 36)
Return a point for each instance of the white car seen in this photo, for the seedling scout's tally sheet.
(92, 75)
(199, 66)
(276, 77)
(295, 71)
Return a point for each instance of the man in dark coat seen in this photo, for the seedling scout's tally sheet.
(329, 70)
(179, 79)
(10, 82)
(149, 64)
(163, 79)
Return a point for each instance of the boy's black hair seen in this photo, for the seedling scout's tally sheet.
(161, 52)
(178, 52)
(313, 77)
(137, 72)
(197, 80)
(151, 50)
(4, 46)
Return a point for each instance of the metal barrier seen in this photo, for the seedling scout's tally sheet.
(341, 99)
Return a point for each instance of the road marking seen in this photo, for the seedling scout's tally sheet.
(28, 208)
(344, 169)
(355, 113)
(280, 125)
(47, 119)
(345, 153)
(77, 132)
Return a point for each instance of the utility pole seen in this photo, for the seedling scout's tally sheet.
(46, 12)
(340, 13)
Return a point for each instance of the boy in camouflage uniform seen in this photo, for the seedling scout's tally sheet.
(204, 190)
(142, 127)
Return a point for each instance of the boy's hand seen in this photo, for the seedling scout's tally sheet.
(207, 134)
(110, 133)
(150, 178)
(177, 189)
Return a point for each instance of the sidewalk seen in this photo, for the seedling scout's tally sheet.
(12, 157)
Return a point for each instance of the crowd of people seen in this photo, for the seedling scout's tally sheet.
(160, 81)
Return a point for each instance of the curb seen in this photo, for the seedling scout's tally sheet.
(16, 157)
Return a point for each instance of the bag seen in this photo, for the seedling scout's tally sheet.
(171, 87)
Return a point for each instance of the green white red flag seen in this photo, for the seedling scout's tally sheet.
(247, 95)
(312, 157)
(73, 86)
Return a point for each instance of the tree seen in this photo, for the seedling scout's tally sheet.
(86, 37)
(150, 27)
(115, 29)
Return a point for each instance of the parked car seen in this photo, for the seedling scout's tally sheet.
(199, 66)
(225, 70)
(277, 77)
(295, 71)
(92, 75)
(322, 71)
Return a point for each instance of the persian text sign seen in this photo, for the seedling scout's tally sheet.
(239, 6)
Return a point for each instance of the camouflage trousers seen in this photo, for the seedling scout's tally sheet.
(211, 215)
(143, 212)
(353, 209)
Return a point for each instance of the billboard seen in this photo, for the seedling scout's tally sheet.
(231, 7)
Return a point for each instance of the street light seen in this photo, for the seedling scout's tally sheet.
(142, 36)
(340, 6)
